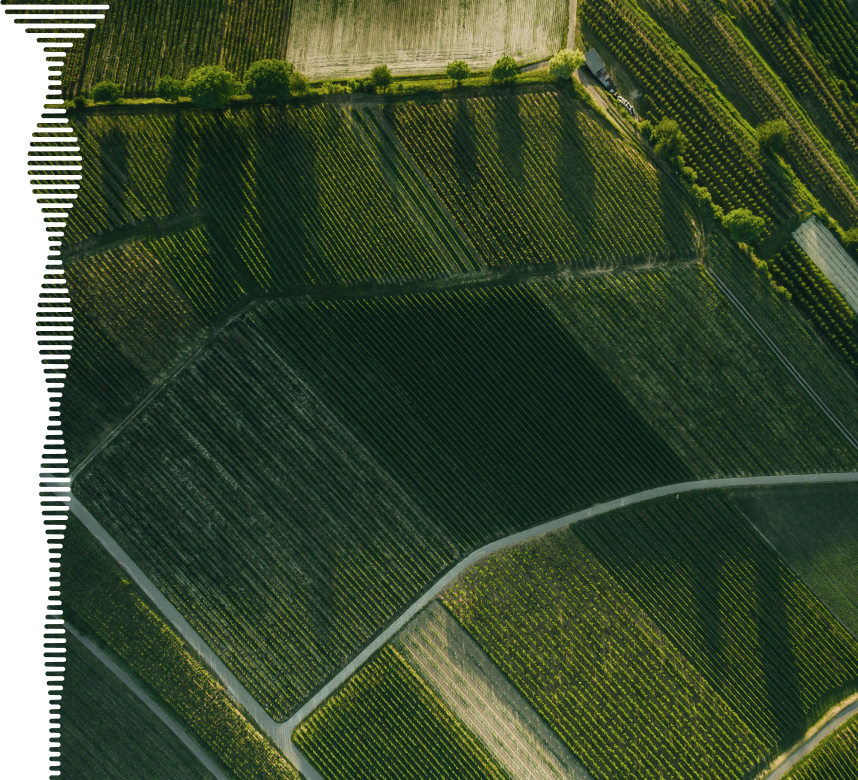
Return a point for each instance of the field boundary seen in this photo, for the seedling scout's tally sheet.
(281, 732)
(819, 732)
(847, 434)
(156, 708)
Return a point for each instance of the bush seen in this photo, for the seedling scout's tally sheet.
(298, 83)
(688, 174)
(327, 87)
(170, 89)
(646, 128)
(211, 86)
(773, 135)
(381, 77)
(504, 70)
(353, 85)
(744, 225)
(80, 101)
(458, 71)
(669, 141)
(267, 80)
(106, 92)
(850, 239)
(565, 63)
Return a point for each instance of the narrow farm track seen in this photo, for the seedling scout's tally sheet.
(809, 744)
(189, 743)
(847, 434)
(281, 733)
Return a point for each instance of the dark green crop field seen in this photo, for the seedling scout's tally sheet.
(533, 181)
(815, 529)
(835, 759)
(322, 463)
(386, 723)
(108, 733)
(734, 609)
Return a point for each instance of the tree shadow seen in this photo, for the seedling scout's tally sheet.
(177, 181)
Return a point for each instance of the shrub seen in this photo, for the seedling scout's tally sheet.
(504, 70)
(850, 239)
(458, 71)
(744, 225)
(669, 141)
(170, 89)
(688, 174)
(298, 83)
(211, 86)
(106, 92)
(267, 80)
(327, 87)
(565, 63)
(773, 135)
(646, 128)
(80, 101)
(353, 85)
(381, 77)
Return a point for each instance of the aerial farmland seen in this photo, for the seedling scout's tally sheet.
(457, 389)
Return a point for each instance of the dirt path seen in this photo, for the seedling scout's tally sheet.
(833, 720)
(189, 743)
(281, 733)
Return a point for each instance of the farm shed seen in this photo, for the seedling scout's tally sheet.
(597, 67)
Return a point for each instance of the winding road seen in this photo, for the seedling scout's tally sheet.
(281, 733)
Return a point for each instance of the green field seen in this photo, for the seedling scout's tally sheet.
(835, 759)
(528, 185)
(601, 673)
(660, 641)
(434, 427)
(687, 361)
(733, 608)
(108, 733)
(815, 529)
(387, 723)
(100, 601)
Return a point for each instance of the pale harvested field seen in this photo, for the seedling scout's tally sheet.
(484, 700)
(825, 250)
(338, 38)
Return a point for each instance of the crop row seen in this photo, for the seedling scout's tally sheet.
(434, 427)
(107, 732)
(732, 607)
(615, 690)
(835, 759)
(137, 42)
(385, 722)
(687, 361)
(798, 63)
(722, 154)
(533, 181)
(728, 54)
(99, 599)
(818, 298)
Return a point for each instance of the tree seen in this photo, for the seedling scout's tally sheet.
(850, 239)
(298, 83)
(267, 80)
(381, 77)
(458, 71)
(169, 89)
(773, 135)
(668, 140)
(211, 86)
(565, 63)
(744, 225)
(106, 92)
(504, 70)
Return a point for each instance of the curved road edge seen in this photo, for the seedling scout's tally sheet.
(281, 733)
(838, 718)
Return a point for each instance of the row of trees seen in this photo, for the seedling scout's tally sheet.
(212, 86)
